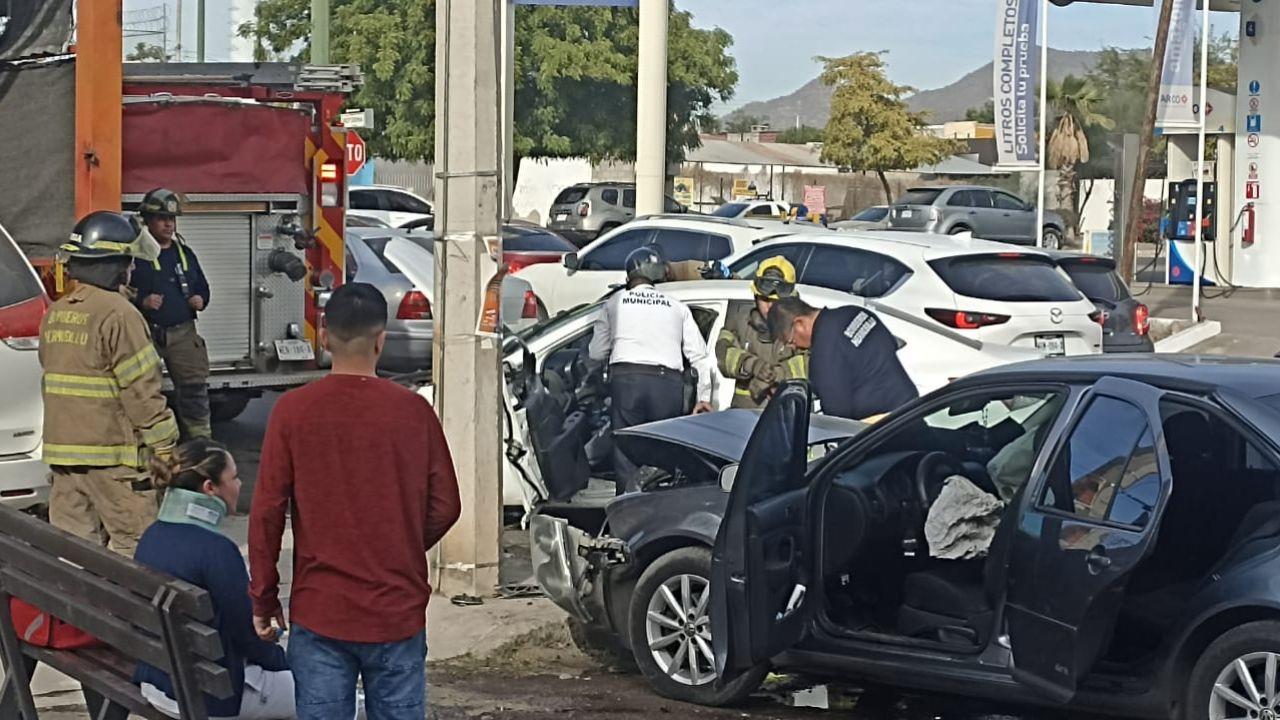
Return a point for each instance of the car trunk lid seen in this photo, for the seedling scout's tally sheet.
(914, 210)
(565, 207)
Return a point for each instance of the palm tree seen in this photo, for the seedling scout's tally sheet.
(1074, 102)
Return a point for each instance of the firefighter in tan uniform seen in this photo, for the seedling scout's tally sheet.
(104, 414)
(746, 350)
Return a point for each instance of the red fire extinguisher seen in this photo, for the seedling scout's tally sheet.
(1247, 225)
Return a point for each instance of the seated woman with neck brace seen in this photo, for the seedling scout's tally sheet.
(201, 488)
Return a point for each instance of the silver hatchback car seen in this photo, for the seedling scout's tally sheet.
(986, 212)
(586, 211)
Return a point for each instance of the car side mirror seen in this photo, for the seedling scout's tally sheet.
(728, 474)
(571, 262)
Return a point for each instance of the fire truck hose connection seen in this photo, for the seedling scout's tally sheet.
(283, 261)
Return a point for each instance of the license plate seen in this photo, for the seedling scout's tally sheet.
(905, 214)
(1051, 344)
(294, 350)
(562, 217)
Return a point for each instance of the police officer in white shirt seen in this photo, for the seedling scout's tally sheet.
(645, 337)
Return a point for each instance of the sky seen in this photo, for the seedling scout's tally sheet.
(931, 43)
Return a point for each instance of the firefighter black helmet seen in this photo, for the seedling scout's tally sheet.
(646, 263)
(162, 202)
(102, 234)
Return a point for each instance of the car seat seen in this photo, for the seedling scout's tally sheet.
(558, 435)
(954, 601)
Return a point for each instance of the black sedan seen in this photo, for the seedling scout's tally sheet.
(1121, 552)
(1126, 321)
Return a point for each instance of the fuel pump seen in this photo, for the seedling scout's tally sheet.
(1180, 230)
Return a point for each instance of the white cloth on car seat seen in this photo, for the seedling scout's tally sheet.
(962, 521)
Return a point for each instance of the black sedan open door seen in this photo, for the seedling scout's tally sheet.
(1092, 519)
(760, 566)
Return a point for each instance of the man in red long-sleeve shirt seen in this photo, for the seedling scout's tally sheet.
(364, 465)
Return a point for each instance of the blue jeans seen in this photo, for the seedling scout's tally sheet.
(325, 672)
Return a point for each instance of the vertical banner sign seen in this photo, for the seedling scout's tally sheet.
(1016, 71)
(1176, 108)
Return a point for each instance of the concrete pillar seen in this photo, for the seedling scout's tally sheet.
(468, 200)
(1258, 95)
(319, 32)
(651, 107)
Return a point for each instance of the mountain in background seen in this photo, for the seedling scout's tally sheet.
(812, 102)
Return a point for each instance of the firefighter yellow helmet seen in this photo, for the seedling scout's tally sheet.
(775, 279)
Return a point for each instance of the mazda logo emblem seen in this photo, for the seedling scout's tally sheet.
(1055, 315)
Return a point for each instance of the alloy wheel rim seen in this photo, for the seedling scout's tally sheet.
(678, 629)
(1246, 689)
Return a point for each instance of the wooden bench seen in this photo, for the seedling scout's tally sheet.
(139, 613)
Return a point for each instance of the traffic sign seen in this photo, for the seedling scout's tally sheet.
(1253, 140)
(357, 118)
(355, 152)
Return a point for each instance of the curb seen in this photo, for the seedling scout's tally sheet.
(1189, 337)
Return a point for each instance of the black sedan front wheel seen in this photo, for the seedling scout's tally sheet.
(1236, 676)
(670, 628)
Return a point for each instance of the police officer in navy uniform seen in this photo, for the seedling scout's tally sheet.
(853, 358)
(171, 291)
(646, 338)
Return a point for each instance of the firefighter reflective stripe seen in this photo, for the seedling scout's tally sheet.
(182, 257)
(733, 360)
(161, 433)
(94, 455)
(744, 392)
(85, 386)
(797, 367)
(128, 371)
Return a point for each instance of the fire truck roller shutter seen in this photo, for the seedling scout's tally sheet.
(224, 244)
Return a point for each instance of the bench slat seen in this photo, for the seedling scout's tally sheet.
(117, 689)
(123, 571)
(212, 678)
(117, 600)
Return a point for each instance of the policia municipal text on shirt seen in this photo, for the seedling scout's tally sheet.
(646, 337)
(171, 290)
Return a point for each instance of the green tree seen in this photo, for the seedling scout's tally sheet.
(739, 123)
(575, 73)
(146, 52)
(984, 114)
(801, 135)
(1121, 77)
(1073, 108)
(871, 129)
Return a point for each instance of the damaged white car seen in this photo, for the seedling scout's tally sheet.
(557, 429)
